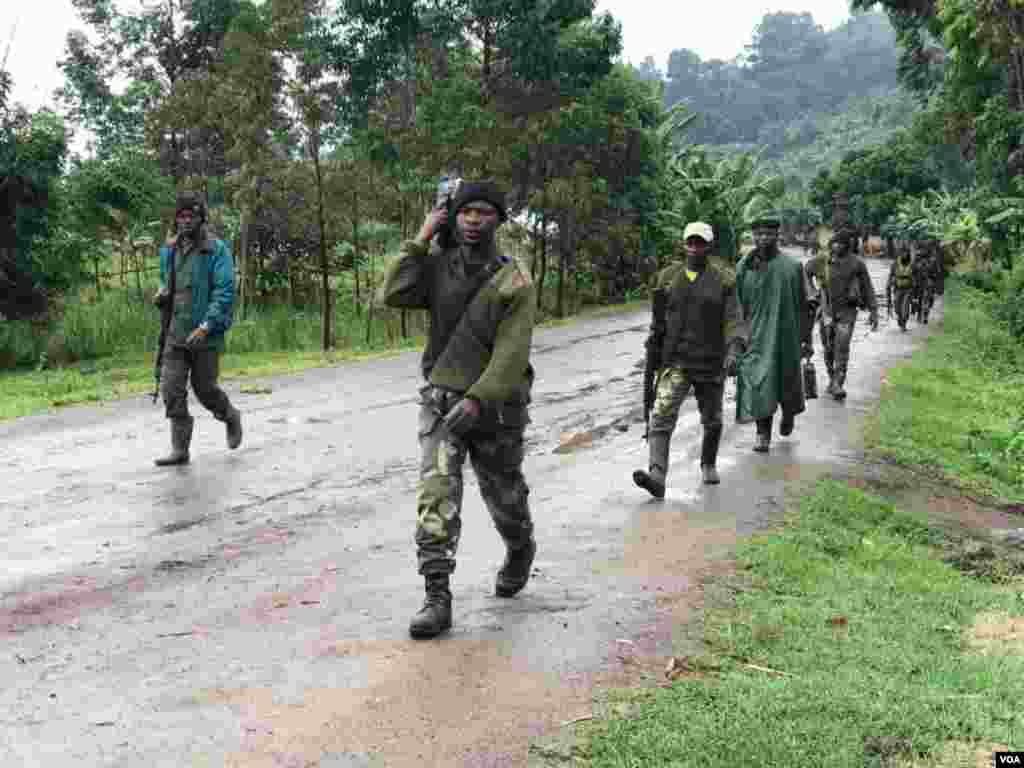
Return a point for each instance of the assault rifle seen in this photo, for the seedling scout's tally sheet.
(652, 363)
(166, 305)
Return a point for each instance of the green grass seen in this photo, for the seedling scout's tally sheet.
(273, 342)
(955, 409)
(896, 678)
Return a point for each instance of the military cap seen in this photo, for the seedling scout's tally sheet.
(699, 229)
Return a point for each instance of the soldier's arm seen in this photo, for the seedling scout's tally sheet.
(867, 288)
(511, 354)
(405, 283)
(222, 293)
(736, 331)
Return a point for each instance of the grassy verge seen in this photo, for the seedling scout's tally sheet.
(849, 644)
(35, 391)
(955, 410)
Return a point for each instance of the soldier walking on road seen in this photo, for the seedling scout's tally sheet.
(197, 293)
(694, 341)
(924, 284)
(843, 282)
(900, 285)
(475, 403)
(772, 293)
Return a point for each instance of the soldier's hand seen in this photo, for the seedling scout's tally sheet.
(731, 367)
(463, 416)
(435, 219)
(160, 298)
(197, 336)
(806, 350)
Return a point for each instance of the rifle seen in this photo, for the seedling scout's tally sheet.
(888, 299)
(166, 312)
(659, 302)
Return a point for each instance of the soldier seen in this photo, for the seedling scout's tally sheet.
(772, 295)
(900, 285)
(924, 276)
(197, 292)
(845, 286)
(695, 338)
(478, 373)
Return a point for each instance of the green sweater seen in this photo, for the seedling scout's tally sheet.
(488, 354)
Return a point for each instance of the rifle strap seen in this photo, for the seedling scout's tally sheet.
(486, 272)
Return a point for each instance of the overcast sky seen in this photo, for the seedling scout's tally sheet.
(649, 28)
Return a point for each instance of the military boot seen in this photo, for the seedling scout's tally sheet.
(838, 392)
(653, 480)
(181, 438)
(515, 571)
(709, 454)
(763, 438)
(435, 616)
(787, 424)
(234, 428)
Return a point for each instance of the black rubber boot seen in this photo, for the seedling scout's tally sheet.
(181, 439)
(653, 480)
(838, 391)
(709, 454)
(515, 571)
(787, 424)
(763, 438)
(435, 616)
(234, 428)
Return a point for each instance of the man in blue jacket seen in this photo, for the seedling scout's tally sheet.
(202, 273)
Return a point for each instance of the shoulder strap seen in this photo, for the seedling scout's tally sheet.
(486, 272)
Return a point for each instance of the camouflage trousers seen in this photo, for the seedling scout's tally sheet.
(836, 335)
(497, 458)
(202, 366)
(901, 305)
(670, 392)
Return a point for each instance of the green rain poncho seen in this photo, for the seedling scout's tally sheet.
(773, 297)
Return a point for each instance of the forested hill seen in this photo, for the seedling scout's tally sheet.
(793, 86)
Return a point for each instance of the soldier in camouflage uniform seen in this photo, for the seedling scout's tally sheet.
(475, 403)
(843, 282)
(900, 286)
(201, 310)
(696, 343)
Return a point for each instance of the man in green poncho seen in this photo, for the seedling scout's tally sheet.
(772, 293)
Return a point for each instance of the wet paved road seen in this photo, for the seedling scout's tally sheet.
(251, 609)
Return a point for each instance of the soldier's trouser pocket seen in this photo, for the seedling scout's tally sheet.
(439, 497)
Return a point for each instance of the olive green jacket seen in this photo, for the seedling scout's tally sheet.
(487, 356)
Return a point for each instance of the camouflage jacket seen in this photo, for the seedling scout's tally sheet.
(482, 349)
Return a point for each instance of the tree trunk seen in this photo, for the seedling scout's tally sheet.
(355, 246)
(543, 262)
(96, 271)
(324, 275)
(243, 264)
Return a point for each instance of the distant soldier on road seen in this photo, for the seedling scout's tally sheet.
(478, 373)
(197, 293)
(924, 283)
(900, 286)
(772, 293)
(845, 287)
(694, 341)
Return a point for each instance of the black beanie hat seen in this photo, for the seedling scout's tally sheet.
(471, 191)
(189, 201)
